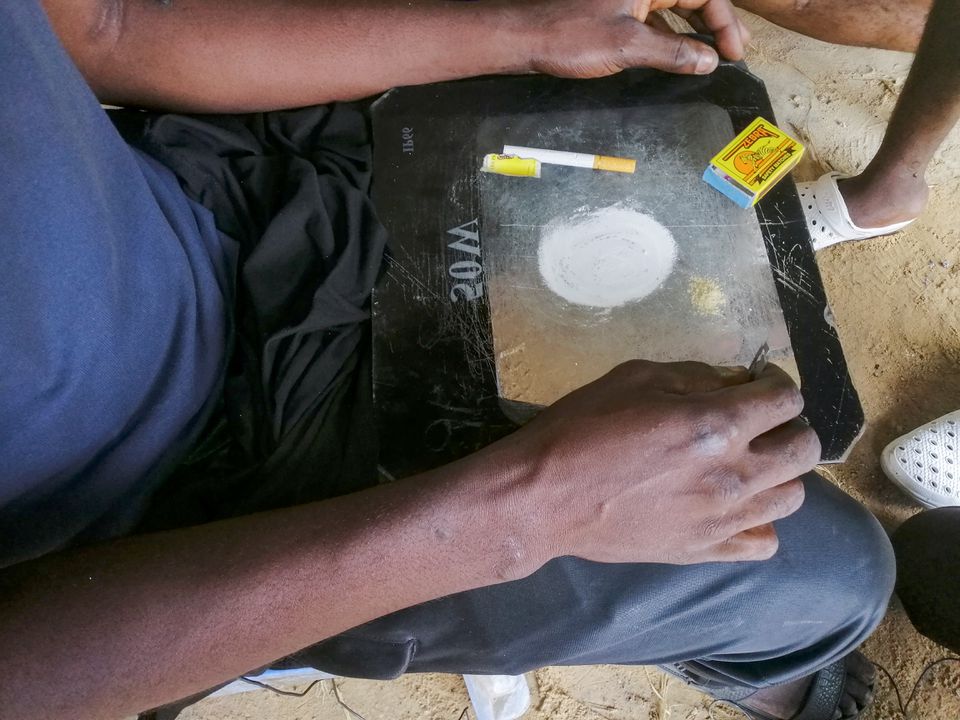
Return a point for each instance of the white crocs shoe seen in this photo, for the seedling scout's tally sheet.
(828, 220)
(926, 462)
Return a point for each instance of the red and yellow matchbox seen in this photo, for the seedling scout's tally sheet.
(753, 162)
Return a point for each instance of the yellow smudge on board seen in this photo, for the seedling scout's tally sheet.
(706, 296)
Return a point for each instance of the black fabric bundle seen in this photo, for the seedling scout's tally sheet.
(292, 188)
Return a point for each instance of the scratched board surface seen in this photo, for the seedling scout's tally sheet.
(467, 338)
(717, 304)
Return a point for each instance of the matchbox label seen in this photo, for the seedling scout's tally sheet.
(757, 158)
(757, 134)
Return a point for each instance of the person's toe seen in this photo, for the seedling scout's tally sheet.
(860, 668)
(861, 692)
(858, 688)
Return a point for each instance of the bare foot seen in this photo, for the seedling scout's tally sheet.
(785, 701)
(876, 199)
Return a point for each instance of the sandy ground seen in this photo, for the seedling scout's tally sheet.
(895, 301)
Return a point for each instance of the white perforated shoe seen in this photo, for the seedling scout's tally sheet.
(828, 220)
(926, 462)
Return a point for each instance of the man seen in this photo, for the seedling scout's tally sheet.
(631, 522)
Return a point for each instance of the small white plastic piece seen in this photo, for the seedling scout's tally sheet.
(498, 697)
(925, 463)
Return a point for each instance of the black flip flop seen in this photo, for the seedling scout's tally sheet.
(822, 700)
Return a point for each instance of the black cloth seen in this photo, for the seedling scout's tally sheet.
(295, 423)
(928, 573)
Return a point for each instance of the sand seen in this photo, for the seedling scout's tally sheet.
(896, 303)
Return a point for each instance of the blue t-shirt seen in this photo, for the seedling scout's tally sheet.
(115, 297)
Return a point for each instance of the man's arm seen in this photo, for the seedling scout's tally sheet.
(246, 55)
(112, 629)
(677, 463)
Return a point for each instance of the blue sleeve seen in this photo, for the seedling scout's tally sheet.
(115, 292)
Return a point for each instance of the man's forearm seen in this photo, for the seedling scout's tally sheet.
(246, 55)
(117, 628)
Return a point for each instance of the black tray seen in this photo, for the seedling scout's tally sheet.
(435, 385)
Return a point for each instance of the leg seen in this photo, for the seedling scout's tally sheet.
(892, 187)
(892, 190)
(928, 555)
(868, 23)
(748, 625)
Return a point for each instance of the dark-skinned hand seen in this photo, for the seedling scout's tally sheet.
(580, 39)
(673, 463)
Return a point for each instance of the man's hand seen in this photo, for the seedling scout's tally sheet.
(602, 37)
(676, 463)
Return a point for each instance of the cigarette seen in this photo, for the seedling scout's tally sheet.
(572, 159)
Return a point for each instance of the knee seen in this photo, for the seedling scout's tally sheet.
(835, 550)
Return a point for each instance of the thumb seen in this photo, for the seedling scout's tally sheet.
(669, 51)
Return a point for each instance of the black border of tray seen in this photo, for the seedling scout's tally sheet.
(435, 385)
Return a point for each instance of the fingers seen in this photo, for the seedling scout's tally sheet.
(693, 19)
(758, 543)
(668, 51)
(720, 19)
(685, 378)
(681, 378)
(768, 506)
(754, 408)
(749, 534)
(788, 451)
(739, 508)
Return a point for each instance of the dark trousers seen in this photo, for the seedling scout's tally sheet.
(743, 625)
(928, 561)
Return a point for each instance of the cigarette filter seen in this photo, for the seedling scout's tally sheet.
(753, 162)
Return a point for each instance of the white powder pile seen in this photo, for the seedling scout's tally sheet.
(606, 258)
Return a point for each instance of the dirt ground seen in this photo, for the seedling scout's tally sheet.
(895, 301)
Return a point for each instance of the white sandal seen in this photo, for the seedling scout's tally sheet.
(828, 220)
(925, 463)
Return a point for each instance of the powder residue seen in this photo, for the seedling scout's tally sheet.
(706, 295)
(606, 258)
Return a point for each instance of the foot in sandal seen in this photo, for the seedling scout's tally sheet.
(841, 691)
(838, 209)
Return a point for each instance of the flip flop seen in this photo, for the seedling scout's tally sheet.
(822, 700)
(925, 463)
(828, 220)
